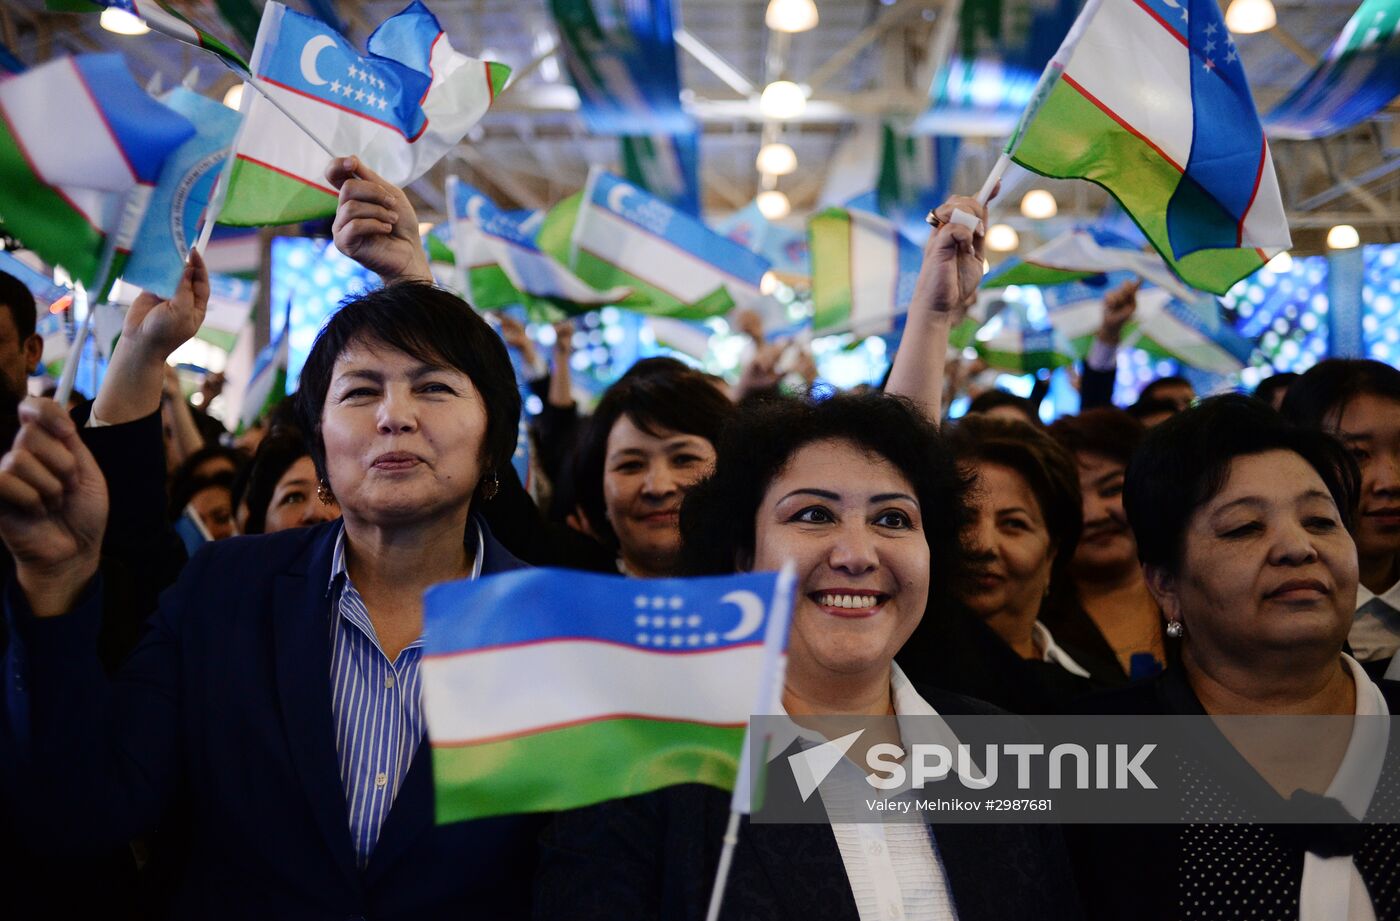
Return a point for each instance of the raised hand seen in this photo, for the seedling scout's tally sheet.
(1118, 309)
(952, 267)
(53, 508)
(158, 327)
(153, 328)
(375, 223)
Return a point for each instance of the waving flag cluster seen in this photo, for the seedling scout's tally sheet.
(75, 194)
(1147, 98)
(614, 233)
(649, 683)
(503, 265)
(399, 108)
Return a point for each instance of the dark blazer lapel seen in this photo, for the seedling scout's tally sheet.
(301, 637)
(802, 866)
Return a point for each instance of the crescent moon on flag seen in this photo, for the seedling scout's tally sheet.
(751, 610)
(616, 197)
(308, 58)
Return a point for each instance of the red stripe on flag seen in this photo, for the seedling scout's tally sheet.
(29, 161)
(1258, 179)
(301, 179)
(1166, 25)
(1115, 116)
(102, 115)
(520, 644)
(358, 114)
(506, 737)
(490, 90)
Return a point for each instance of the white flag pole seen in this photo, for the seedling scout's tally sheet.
(460, 278)
(1048, 78)
(770, 691)
(75, 351)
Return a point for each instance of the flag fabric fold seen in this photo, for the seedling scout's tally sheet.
(650, 683)
(863, 272)
(1147, 98)
(268, 383)
(1359, 74)
(613, 233)
(162, 18)
(183, 193)
(73, 194)
(503, 265)
(399, 108)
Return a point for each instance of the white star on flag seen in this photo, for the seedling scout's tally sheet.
(382, 104)
(1210, 28)
(1232, 57)
(1209, 65)
(1210, 46)
(346, 90)
(335, 86)
(352, 70)
(1185, 16)
(359, 95)
(372, 100)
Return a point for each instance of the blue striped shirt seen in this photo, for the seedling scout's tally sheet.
(375, 706)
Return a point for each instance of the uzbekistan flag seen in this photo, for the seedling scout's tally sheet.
(1147, 99)
(1010, 342)
(863, 272)
(268, 384)
(1193, 332)
(614, 233)
(70, 189)
(400, 109)
(1358, 76)
(503, 265)
(551, 689)
(161, 17)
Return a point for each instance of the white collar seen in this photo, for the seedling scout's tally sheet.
(907, 702)
(1050, 651)
(1390, 596)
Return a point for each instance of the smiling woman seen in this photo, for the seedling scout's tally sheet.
(860, 493)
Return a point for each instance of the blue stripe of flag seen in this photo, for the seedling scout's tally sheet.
(490, 218)
(538, 605)
(381, 88)
(1208, 208)
(651, 215)
(144, 129)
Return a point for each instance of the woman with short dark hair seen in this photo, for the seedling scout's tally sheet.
(1105, 579)
(1241, 522)
(273, 703)
(651, 437)
(1359, 401)
(281, 490)
(862, 495)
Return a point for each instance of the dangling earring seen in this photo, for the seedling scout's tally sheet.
(1175, 629)
(491, 486)
(323, 492)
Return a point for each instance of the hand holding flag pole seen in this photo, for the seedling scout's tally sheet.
(769, 700)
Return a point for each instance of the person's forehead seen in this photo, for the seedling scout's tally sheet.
(842, 467)
(1368, 412)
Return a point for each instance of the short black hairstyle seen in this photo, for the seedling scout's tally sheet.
(434, 326)
(1048, 469)
(1103, 430)
(1318, 398)
(718, 517)
(17, 297)
(276, 453)
(1171, 380)
(1275, 383)
(664, 397)
(995, 399)
(1184, 462)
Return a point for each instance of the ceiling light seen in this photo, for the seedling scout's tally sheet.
(773, 205)
(769, 282)
(1343, 236)
(1002, 238)
(782, 99)
(1245, 17)
(1039, 204)
(234, 97)
(1281, 264)
(776, 159)
(122, 22)
(791, 15)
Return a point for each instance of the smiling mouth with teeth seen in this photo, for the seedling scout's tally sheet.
(853, 602)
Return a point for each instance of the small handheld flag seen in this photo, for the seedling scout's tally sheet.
(550, 689)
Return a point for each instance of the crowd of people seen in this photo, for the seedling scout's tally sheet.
(199, 724)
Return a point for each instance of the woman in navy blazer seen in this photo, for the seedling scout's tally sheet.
(268, 721)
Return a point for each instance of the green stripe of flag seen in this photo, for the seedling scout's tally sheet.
(1072, 138)
(259, 187)
(606, 760)
(1027, 273)
(39, 217)
(829, 247)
